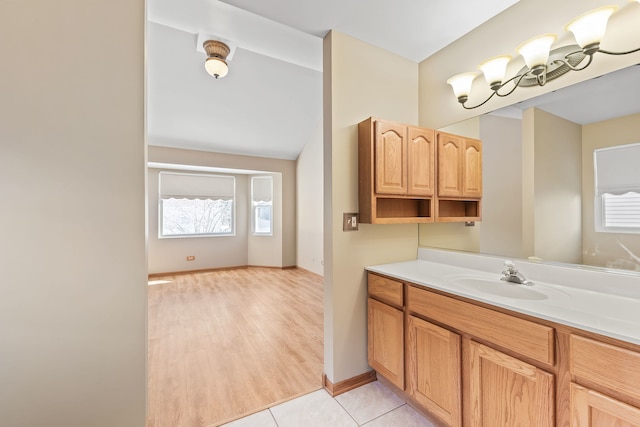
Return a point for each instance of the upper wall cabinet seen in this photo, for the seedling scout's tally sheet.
(459, 178)
(459, 166)
(398, 177)
(396, 172)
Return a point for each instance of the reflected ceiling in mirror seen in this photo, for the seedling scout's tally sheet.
(606, 97)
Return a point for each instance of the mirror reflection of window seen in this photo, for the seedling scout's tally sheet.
(617, 182)
(262, 205)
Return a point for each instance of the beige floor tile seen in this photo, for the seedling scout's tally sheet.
(404, 416)
(316, 409)
(369, 401)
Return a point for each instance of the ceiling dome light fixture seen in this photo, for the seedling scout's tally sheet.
(542, 63)
(216, 64)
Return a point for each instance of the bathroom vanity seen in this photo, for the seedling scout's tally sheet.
(473, 350)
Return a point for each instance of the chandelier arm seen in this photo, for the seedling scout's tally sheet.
(482, 103)
(517, 83)
(608, 52)
(571, 67)
(495, 92)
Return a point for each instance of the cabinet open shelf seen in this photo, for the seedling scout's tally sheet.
(451, 210)
(396, 210)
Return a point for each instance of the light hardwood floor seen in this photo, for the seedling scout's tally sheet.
(228, 343)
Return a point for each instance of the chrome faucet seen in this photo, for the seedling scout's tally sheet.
(511, 274)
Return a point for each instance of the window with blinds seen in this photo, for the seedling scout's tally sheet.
(262, 205)
(196, 205)
(617, 183)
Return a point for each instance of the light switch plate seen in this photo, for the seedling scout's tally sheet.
(350, 221)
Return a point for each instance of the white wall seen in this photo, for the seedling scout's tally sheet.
(170, 255)
(72, 184)
(309, 205)
(359, 81)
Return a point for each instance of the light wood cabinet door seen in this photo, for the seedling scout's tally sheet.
(433, 369)
(450, 149)
(472, 169)
(421, 161)
(385, 326)
(459, 166)
(507, 392)
(592, 409)
(390, 158)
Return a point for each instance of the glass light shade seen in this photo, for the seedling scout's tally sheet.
(494, 69)
(589, 28)
(461, 84)
(535, 51)
(216, 67)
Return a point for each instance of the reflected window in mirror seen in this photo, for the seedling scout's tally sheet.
(262, 204)
(617, 182)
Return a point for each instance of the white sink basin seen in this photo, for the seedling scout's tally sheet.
(500, 288)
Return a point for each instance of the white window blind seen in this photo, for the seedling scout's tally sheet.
(621, 210)
(617, 182)
(262, 188)
(196, 186)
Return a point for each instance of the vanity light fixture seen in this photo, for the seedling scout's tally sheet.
(542, 63)
(216, 62)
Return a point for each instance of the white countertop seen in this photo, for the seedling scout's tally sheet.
(610, 314)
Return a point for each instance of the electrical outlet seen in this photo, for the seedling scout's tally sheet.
(350, 221)
(191, 258)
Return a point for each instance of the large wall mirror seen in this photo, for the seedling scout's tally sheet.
(538, 172)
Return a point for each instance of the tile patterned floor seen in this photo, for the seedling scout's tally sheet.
(372, 405)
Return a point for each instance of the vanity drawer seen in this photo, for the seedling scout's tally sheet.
(522, 336)
(607, 365)
(385, 289)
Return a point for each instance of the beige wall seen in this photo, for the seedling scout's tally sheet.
(554, 186)
(501, 226)
(309, 205)
(501, 35)
(359, 81)
(603, 249)
(170, 255)
(286, 250)
(72, 181)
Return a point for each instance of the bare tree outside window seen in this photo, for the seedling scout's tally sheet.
(196, 216)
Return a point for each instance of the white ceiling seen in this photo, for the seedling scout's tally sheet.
(270, 103)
